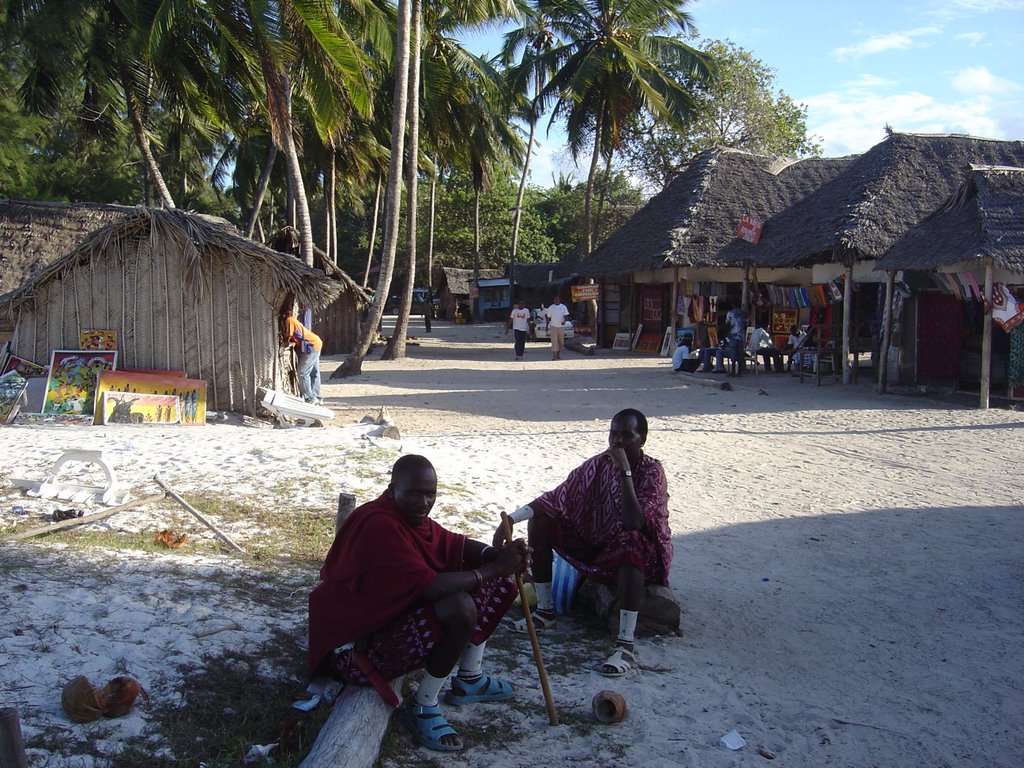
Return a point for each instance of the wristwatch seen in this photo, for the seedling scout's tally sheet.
(627, 473)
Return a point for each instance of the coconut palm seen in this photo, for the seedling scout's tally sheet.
(610, 65)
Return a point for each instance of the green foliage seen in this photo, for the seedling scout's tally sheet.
(740, 108)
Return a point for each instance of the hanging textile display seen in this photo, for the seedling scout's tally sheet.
(1015, 370)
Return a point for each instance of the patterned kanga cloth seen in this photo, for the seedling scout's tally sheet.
(587, 522)
(1015, 375)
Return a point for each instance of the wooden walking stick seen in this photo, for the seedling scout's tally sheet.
(506, 526)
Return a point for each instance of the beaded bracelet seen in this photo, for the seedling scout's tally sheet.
(479, 578)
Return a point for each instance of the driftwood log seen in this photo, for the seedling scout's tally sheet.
(692, 378)
(352, 734)
(659, 611)
(72, 522)
(12, 747)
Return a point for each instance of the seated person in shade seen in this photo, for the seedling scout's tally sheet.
(761, 346)
(806, 340)
(398, 592)
(682, 351)
(724, 351)
(609, 520)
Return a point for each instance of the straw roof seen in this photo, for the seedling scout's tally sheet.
(200, 239)
(696, 215)
(541, 273)
(877, 199)
(34, 235)
(983, 219)
(286, 240)
(458, 279)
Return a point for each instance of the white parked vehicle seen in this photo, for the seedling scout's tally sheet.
(540, 325)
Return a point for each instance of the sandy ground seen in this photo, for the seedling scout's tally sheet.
(849, 565)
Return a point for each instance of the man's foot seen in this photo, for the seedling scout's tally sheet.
(541, 620)
(620, 662)
(484, 688)
(430, 727)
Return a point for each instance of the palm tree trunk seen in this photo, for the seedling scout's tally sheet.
(588, 222)
(603, 196)
(330, 223)
(135, 116)
(353, 364)
(261, 189)
(396, 347)
(302, 220)
(475, 305)
(373, 230)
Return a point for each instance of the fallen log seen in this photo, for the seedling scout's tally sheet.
(352, 734)
(692, 378)
(70, 523)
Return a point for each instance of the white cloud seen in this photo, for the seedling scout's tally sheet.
(853, 121)
(974, 38)
(978, 80)
(880, 43)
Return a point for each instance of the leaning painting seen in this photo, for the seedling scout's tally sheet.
(71, 386)
(139, 408)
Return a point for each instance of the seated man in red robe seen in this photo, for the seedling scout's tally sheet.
(400, 592)
(609, 520)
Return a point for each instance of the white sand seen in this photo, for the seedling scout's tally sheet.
(849, 565)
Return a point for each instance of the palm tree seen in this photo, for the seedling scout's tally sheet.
(533, 39)
(612, 65)
(301, 47)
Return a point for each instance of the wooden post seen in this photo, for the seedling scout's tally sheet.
(346, 503)
(74, 521)
(986, 337)
(847, 321)
(12, 746)
(883, 362)
(745, 297)
(673, 298)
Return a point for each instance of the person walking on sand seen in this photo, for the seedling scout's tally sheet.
(519, 322)
(556, 315)
(398, 592)
(609, 520)
(307, 346)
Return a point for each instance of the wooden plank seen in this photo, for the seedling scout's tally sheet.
(42, 531)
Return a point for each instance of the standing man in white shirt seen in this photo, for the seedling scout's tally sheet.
(519, 323)
(556, 315)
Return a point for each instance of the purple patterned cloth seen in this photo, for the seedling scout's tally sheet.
(586, 530)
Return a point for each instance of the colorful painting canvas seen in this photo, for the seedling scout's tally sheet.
(191, 393)
(12, 390)
(71, 386)
(139, 408)
(25, 368)
(98, 339)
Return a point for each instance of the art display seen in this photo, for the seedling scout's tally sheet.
(23, 367)
(98, 339)
(12, 391)
(139, 408)
(191, 393)
(71, 385)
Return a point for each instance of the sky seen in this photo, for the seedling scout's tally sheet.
(922, 66)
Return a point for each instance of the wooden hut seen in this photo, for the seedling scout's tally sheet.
(454, 289)
(183, 291)
(668, 260)
(957, 264)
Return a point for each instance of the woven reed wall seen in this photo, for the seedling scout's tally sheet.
(227, 336)
(338, 325)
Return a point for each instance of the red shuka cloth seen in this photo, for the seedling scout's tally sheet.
(377, 568)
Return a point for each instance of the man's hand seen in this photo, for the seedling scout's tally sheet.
(498, 540)
(513, 558)
(617, 455)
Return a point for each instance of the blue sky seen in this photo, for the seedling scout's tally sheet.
(937, 66)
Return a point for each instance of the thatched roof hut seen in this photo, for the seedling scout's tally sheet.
(983, 219)
(183, 291)
(876, 199)
(690, 222)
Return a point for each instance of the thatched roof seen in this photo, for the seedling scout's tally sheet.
(877, 199)
(286, 240)
(541, 274)
(696, 215)
(34, 235)
(458, 279)
(201, 240)
(983, 219)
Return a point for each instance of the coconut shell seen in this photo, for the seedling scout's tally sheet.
(117, 697)
(79, 701)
